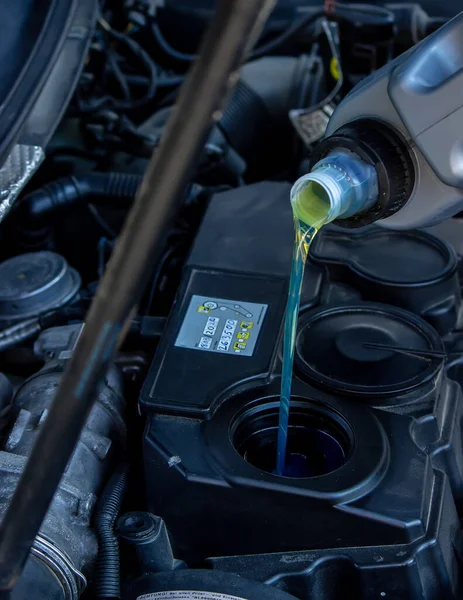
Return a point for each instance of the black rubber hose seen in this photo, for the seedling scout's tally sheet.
(107, 572)
(76, 188)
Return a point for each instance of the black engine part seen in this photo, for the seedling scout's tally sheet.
(108, 567)
(376, 475)
(227, 239)
(62, 193)
(367, 351)
(256, 122)
(145, 541)
(410, 269)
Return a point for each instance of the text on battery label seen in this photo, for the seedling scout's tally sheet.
(187, 595)
(205, 343)
(211, 326)
(227, 335)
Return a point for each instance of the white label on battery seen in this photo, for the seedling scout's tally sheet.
(187, 595)
(221, 325)
(211, 326)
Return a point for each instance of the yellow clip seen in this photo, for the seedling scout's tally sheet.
(334, 69)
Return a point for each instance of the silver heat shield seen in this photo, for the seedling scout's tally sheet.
(16, 171)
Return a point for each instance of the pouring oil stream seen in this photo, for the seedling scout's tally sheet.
(311, 211)
(339, 186)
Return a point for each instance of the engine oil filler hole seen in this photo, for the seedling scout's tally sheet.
(319, 439)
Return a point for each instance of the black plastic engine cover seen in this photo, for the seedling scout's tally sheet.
(242, 254)
(411, 269)
(375, 430)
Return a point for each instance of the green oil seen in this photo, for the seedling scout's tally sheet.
(311, 210)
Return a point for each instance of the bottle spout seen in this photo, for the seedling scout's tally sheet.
(339, 186)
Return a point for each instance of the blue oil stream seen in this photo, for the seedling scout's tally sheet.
(316, 214)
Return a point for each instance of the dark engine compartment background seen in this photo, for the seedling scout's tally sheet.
(171, 492)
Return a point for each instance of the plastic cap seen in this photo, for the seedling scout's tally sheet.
(341, 181)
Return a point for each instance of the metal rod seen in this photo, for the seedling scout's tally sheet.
(424, 354)
(230, 36)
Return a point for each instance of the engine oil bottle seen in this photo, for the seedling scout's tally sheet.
(339, 186)
(405, 121)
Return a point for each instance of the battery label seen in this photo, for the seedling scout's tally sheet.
(222, 326)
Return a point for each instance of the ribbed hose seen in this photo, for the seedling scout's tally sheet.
(107, 572)
(77, 188)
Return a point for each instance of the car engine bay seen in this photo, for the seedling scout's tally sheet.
(171, 492)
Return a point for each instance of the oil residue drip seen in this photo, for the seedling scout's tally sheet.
(311, 210)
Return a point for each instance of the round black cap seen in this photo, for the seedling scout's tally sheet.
(396, 258)
(362, 349)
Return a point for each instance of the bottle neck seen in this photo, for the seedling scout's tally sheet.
(341, 180)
